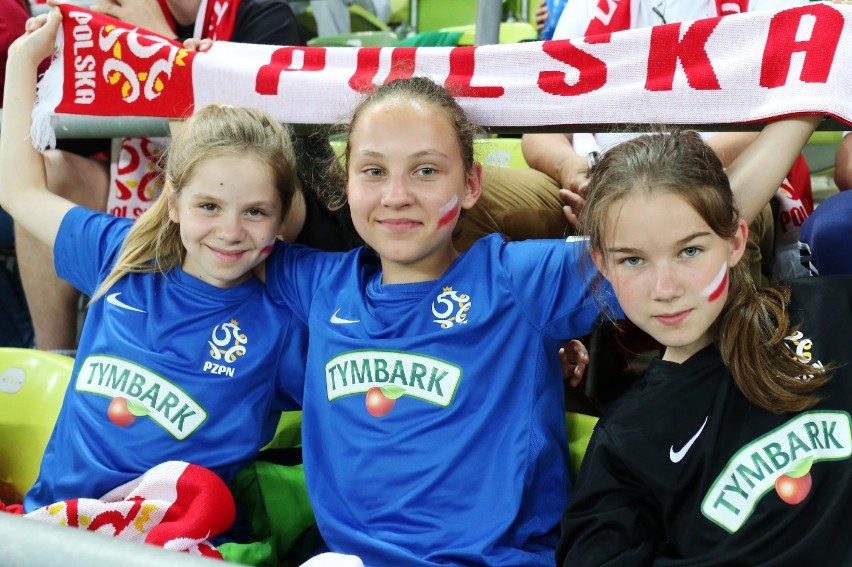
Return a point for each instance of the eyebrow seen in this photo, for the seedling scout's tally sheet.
(420, 154)
(682, 242)
(254, 204)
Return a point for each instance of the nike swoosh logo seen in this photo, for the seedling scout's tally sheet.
(677, 456)
(114, 300)
(338, 321)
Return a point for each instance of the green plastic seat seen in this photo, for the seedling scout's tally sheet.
(497, 151)
(360, 20)
(378, 38)
(821, 150)
(432, 15)
(580, 427)
(32, 386)
(510, 32)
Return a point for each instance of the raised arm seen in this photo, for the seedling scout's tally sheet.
(758, 171)
(23, 183)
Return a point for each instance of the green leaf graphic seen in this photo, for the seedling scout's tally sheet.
(136, 408)
(800, 468)
(392, 392)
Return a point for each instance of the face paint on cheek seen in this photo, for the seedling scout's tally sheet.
(714, 291)
(448, 212)
(267, 249)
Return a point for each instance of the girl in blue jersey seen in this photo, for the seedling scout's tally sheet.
(183, 356)
(734, 447)
(433, 429)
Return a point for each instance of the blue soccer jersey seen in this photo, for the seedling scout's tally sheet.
(433, 426)
(168, 368)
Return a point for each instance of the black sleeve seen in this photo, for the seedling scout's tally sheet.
(610, 520)
(266, 22)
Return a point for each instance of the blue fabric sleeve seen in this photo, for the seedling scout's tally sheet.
(87, 246)
(294, 273)
(559, 286)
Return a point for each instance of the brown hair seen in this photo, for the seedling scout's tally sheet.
(413, 89)
(153, 244)
(750, 330)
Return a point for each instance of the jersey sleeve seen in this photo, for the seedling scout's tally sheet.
(87, 246)
(290, 379)
(610, 520)
(294, 273)
(559, 286)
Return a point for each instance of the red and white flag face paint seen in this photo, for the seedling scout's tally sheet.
(717, 287)
(448, 212)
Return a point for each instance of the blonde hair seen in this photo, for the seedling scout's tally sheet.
(750, 330)
(153, 244)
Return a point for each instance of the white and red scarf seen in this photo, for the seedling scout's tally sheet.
(175, 505)
(737, 69)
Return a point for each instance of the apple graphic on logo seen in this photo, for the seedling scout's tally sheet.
(118, 412)
(795, 485)
(123, 412)
(380, 400)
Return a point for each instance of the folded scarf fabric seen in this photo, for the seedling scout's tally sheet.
(175, 505)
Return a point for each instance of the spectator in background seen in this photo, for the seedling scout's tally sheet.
(825, 245)
(547, 16)
(843, 164)
(17, 329)
(15, 14)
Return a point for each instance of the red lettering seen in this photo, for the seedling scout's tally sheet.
(402, 67)
(266, 82)
(798, 215)
(592, 71)
(124, 192)
(115, 517)
(784, 220)
(819, 49)
(133, 160)
(667, 48)
(143, 191)
(461, 74)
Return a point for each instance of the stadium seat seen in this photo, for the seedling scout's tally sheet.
(433, 15)
(378, 38)
(500, 151)
(510, 32)
(580, 427)
(32, 386)
(820, 151)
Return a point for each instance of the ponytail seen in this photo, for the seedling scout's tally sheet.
(750, 334)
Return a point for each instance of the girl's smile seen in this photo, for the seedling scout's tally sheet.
(229, 213)
(406, 187)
